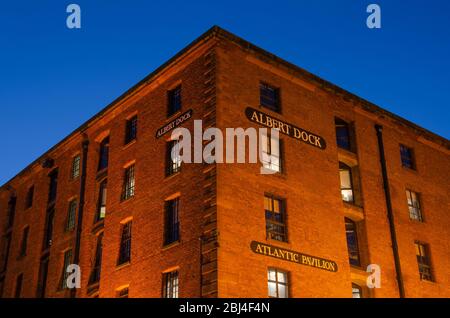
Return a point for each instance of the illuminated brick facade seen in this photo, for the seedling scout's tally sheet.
(202, 230)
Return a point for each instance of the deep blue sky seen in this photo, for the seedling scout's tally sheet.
(52, 79)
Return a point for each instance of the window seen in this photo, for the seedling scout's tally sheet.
(19, 282)
(345, 174)
(172, 223)
(2, 285)
(275, 218)
(53, 187)
(65, 274)
(95, 274)
(5, 251)
(277, 283)
(352, 242)
(342, 134)
(125, 244)
(24, 243)
(170, 285)
(71, 213)
(123, 293)
(269, 97)
(11, 212)
(128, 183)
(131, 130)
(423, 261)
(104, 154)
(75, 172)
(414, 206)
(29, 199)
(43, 273)
(271, 153)
(407, 157)
(101, 205)
(48, 234)
(356, 291)
(174, 101)
(173, 157)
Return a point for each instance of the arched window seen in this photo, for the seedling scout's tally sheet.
(352, 242)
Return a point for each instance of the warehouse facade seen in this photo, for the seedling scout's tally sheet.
(353, 185)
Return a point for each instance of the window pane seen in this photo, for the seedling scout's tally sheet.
(282, 291)
(272, 289)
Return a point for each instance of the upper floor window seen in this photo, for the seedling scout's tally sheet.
(53, 187)
(11, 212)
(271, 153)
(101, 205)
(123, 293)
(96, 269)
(76, 164)
(352, 242)
(48, 233)
(125, 244)
(29, 198)
(170, 285)
(174, 100)
(43, 273)
(19, 283)
(423, 261)
(414, 206)
(407, 157)
(128, 183)
(275, 218)
(131, 129)
(24, 243)
(5, 252)
(71, 213)
(345, 174)
(103, 154)
(343, 135)
(269, 97)
(172, 222)
(277, 283)
(173, 157)
(356, 291)
(66, 262)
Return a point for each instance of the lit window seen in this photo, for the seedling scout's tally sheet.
(352, 242)
(101, 205)
(357, 291)
(423, 261)
(277, 283)
(407, 157)
(173, 157)
(345, 175)
(170, 285)
(275, 218)
(414, 206)
(269, 97)
(271, 153)
(128, 183)
(76, 162)
(65, 274)
(70, 224)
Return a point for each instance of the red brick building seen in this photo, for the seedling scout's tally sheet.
(355, 185)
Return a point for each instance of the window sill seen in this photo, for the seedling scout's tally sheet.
(173, 116)
(123, 265)
(286, 243)
(127, 199)
(348, 157)
(357, 274)
(93, 288)
(170, 245)
(99, 225)
(128, 145)
(352, 211)
(411, 170)
(173, 175)
(278, 111)
(102, 174)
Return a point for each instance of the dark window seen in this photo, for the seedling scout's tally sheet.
(76, 163)
(101, 205)
(277, 283)
(24, 243)
(342, 134)
(104, 154)
(96, 270)
(352, 242)
(174, 100)
(43, 273)
(356, 291)
(275, 218)
(345, 175)
(407, 157)
(11, 212)
(71, 213)
(128, 183)
(131, 130)
(29, 199)
(19, 282)
(423, 261)
(5, 251)
(65, 274)
(125, 244)
(269, 97)
(48, 233)
(271, 153)
(173, 157)
(123, 293)
(170, 285)
(53, 187)
(2, 286)
(414, 206)
(172, 222)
